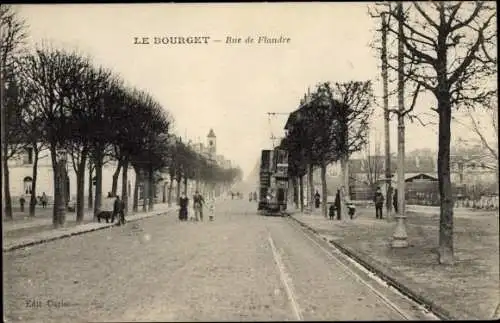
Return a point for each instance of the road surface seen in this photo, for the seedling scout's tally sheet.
(242, 266)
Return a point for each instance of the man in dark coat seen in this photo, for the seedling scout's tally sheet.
(331, 211)
(183, 211)
(317, 199)
(337, 204)
(198, 202)
(117, 209)
(378, 198)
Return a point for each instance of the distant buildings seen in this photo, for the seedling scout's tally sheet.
(21, 176)
(209, 151)
(21, 173)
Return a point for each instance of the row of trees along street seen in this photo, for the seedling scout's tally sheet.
(61, 101)
(330, 124)
(447, 49)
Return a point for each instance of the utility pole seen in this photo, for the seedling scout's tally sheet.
(386, 117)
(273, 137)
(400, 237)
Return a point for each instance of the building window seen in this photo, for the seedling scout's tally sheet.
(28, 156)
(27, 184)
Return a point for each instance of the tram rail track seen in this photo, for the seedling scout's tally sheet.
(418, 308)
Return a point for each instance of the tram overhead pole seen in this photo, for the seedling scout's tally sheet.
(274, 114)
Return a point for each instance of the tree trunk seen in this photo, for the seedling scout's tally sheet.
(310, 197)
(185, 185)
(90, 198)
(98, 183)
(178, 189)
(6, 179)
(33, 200)
(324, 191)
(170, 186)
(344, 190)
(125, 191)
(145, 192)
(114, 185)
(301, 192)
(164, 194)
(151, 189)
(80, 188)
(445, 191)
(135, 203)
(295, 196)
(59, 210)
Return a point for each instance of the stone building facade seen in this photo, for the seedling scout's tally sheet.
(21, 177)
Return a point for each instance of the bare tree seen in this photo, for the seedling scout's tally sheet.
(52, 93)
(13, 33)
(450, 51)
(353, 116)
(480, 132)
(374, 169)
(31, 126)
(323, 132)
(89, 88)
(485, 127)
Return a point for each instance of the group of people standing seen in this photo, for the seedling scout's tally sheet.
(198, 204)
(238, 195)
(252, 196)
(117, 207)
(378, 199)
(43, 200)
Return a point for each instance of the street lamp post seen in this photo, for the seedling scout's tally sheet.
(400, 237)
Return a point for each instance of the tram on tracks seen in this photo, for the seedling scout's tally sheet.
(273, 182)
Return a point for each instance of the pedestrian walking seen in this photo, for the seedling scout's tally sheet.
(378, 198)
(183, 210)
(116, 209)
(250, 195)
(255, 196)
(395, 200)
(317, 199)
(211, 210)
(44, 200)
(331, 211)
(198, 202)
(337, 204)
(22, 200)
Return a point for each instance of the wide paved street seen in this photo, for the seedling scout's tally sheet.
(242, 266)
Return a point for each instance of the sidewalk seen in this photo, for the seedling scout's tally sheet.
(467, 290)
(43, 231)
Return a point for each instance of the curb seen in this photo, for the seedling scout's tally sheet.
(391, 281)
(70, 234)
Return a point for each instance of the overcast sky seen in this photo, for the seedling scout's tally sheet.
(227, 87)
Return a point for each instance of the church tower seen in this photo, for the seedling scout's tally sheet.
(212, 143)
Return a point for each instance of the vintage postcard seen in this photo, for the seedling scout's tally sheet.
(322, 161)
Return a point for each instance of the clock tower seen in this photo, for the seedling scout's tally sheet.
(211, 139)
